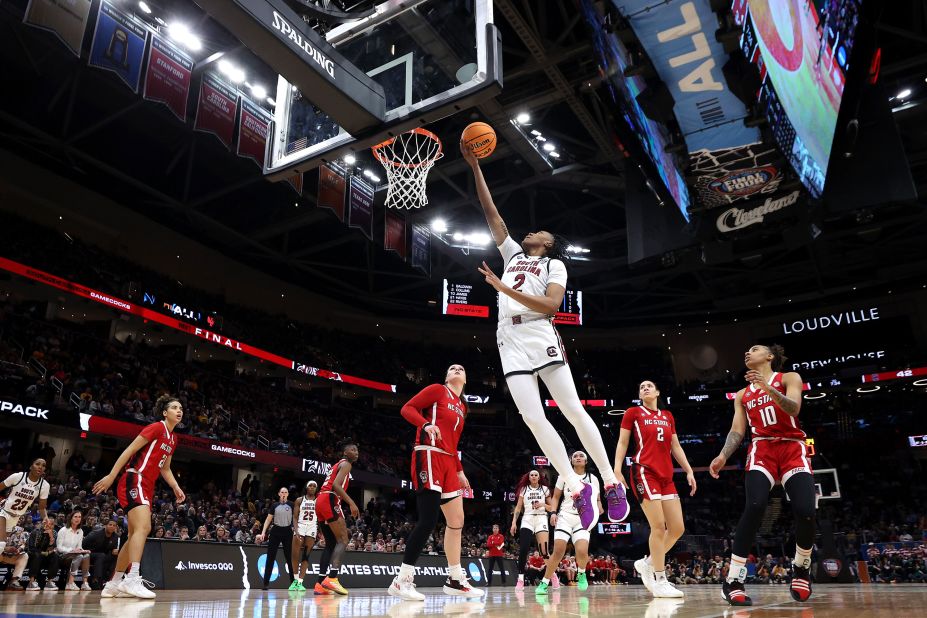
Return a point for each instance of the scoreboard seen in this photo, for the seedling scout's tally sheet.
(461, 299)
(571, 309)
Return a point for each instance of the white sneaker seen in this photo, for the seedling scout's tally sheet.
(86, 587)
(134, 585)
(405, 590)
(461, 588)
(665, 590)
(33, 586)
(71, 586)
(50, 586)
(645, 570)
(111, 589)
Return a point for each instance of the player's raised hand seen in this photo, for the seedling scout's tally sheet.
(716, 464)
(467, 154)
(756, 378)
(491, 277)
(103, 484)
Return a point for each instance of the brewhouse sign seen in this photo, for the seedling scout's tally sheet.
(735, 218)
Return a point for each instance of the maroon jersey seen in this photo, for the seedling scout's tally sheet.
(148, 460)
(767, 420)
(330, 481)
(443, 408)
(653, 430)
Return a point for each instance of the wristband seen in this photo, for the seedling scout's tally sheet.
(425, 426)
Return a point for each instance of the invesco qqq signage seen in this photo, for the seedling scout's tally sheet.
(735, 218)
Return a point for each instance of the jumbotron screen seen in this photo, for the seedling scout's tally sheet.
(803, 49)
(571, 309)
(464, 299)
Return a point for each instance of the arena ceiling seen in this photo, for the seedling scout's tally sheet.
(84, 124)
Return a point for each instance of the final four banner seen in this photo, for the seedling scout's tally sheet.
(331, 189)
(360, 206)
(67, 19)
(421, 248)
(679, 37)
(168, 77)
(119, 44)
(395, 233)
(217, 108)
(253, 125)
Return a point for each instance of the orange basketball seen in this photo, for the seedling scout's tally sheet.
(480, 139)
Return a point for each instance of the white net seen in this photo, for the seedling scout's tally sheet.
(407, 159)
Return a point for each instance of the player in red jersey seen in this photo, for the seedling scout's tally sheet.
(144, 460)
(777, 454)
(331, 519)
(438, 479)
(651, 473)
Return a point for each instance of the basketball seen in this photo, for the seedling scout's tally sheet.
(480, 139)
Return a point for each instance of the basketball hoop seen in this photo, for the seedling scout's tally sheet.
(408, 158)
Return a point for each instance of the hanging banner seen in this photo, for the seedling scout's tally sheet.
(360, 210)
(216, 109)
(331, 189)
(67, 19)
(168, 77)
(679, 38)
(730, 175)
(253, 125)
(395, 233)
(421, 248)
(119, 41)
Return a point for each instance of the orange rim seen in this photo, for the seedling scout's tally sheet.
(381, 156)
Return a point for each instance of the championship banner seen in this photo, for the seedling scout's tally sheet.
(421, 248)
(119, 41)
(331, 189)
(253, 125)
(360, 210)
(395, 233)
(216, 109)
(168, 77)
(66, 19)
(679, 37)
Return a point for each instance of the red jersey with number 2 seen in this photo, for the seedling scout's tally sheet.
(653, 430)
(149, 459)
(766, 418)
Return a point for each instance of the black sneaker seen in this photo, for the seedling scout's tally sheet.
(800, 586)
(461, 589)
(733, 593)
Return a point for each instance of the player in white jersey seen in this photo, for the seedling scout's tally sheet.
(531, 289)
(305, 528)
(25, 488)
(534, 500)
(568, 528)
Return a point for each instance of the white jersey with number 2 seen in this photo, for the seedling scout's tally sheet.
(528, 274)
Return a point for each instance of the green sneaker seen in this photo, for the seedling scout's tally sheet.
(542, 588)
(299, 586)
(294, 585)
(581, 581)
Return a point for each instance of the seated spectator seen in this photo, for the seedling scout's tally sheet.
(534, 570)
(202, 534)
(103, 545)
(222, 535)
(15, 553)
(69, 546)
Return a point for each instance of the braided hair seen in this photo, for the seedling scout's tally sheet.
(558, 251)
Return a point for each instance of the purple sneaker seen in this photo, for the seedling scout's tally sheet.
(617, 499)
(582, 502)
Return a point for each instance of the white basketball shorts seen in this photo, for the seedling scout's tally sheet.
(528, 347)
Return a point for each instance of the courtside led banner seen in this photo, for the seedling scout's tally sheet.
(202, 333)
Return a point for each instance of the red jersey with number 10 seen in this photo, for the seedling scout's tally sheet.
(653, 430)
(149, 459)
(767, 420)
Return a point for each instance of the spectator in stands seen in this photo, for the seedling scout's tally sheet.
(69, 546)
(534, 569)
(15, 553)
(42, 555)
(103, 545)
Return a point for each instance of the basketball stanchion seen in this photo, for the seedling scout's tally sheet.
(407, 159)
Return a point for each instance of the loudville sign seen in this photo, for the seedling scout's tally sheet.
(734, 218)
(846, 318)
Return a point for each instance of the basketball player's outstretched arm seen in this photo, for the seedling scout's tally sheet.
(496, 224)
(547, 304)
(624, 439)
(104, 483)
(518, 508)
(168, 477)
(680, 456)
(734, 437)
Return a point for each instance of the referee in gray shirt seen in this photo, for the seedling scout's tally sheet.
(280, 534)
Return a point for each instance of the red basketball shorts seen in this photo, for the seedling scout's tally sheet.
(647, 485)
(779, 460)
(328, 507)
(436, 471)
(133, 489)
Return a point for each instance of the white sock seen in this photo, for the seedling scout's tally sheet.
(559, 381)
(802, 557)
(648, 560)
(456, 572)
(659, 576)
(406, 571)
(545, 581)
(117, 576)
(527, 398)
(738, 569)
(581, 570)
(521, 577)
(133, 570)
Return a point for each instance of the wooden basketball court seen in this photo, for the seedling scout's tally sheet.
(843, 601)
